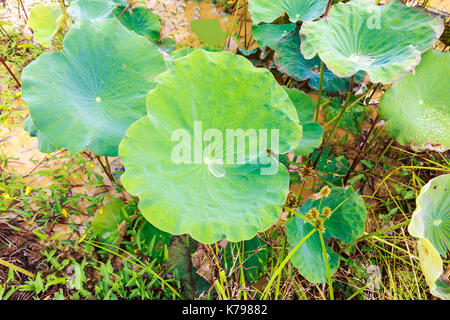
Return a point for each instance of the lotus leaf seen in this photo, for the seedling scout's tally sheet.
(43, 22)
(89, 94)
(43, 144)
(290, 61)
(346, 223)
(417, 107)
(433, 269)
(91, 9)
(217, 195)
(385, 41)
(140, 20)
(269, 10)
(431, 219)
(312, 131)
(268, 35)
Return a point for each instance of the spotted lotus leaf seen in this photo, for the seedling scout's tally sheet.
(44, 144)
(346, 223)
(289, 60)
(385, 41)
(140, 20)
(192, 171)
(431, 219)
(268, 35)
(91, 9)
(312, 131)
(43, 21)
(417, 107)
(89, 94)
(269, 10)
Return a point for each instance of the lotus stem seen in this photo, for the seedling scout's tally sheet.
(316, 114)
(10, 72)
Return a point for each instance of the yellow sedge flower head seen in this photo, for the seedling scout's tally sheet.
(325, 191)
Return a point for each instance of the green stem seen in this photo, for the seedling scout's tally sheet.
(288, 257)
(16, 268)
(316, 115)
(327, 266)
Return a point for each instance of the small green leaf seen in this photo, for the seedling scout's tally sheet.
(43, 21)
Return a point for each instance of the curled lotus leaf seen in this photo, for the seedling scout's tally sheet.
(417, 107)
(431, 219)
(385, 41)
(43, 21)
(433, 269)
(89, 94)
(177, 160)
(44, 144)
(289, 60)
(269, 10)
(140, 20)
(91, 9)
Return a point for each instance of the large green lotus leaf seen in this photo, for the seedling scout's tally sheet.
(91, 9)
(89, 94)
(209, 31)
(385, 41)
(312, 131)
(44, 144)
(251, 255)
(269, 10)
(268, 35)
(308, 259)
(289, 60)
(141, 20)
(417, 107)
(433, 269)
(216, 196)
(431, 219)
(349, 213)
(43, 22)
